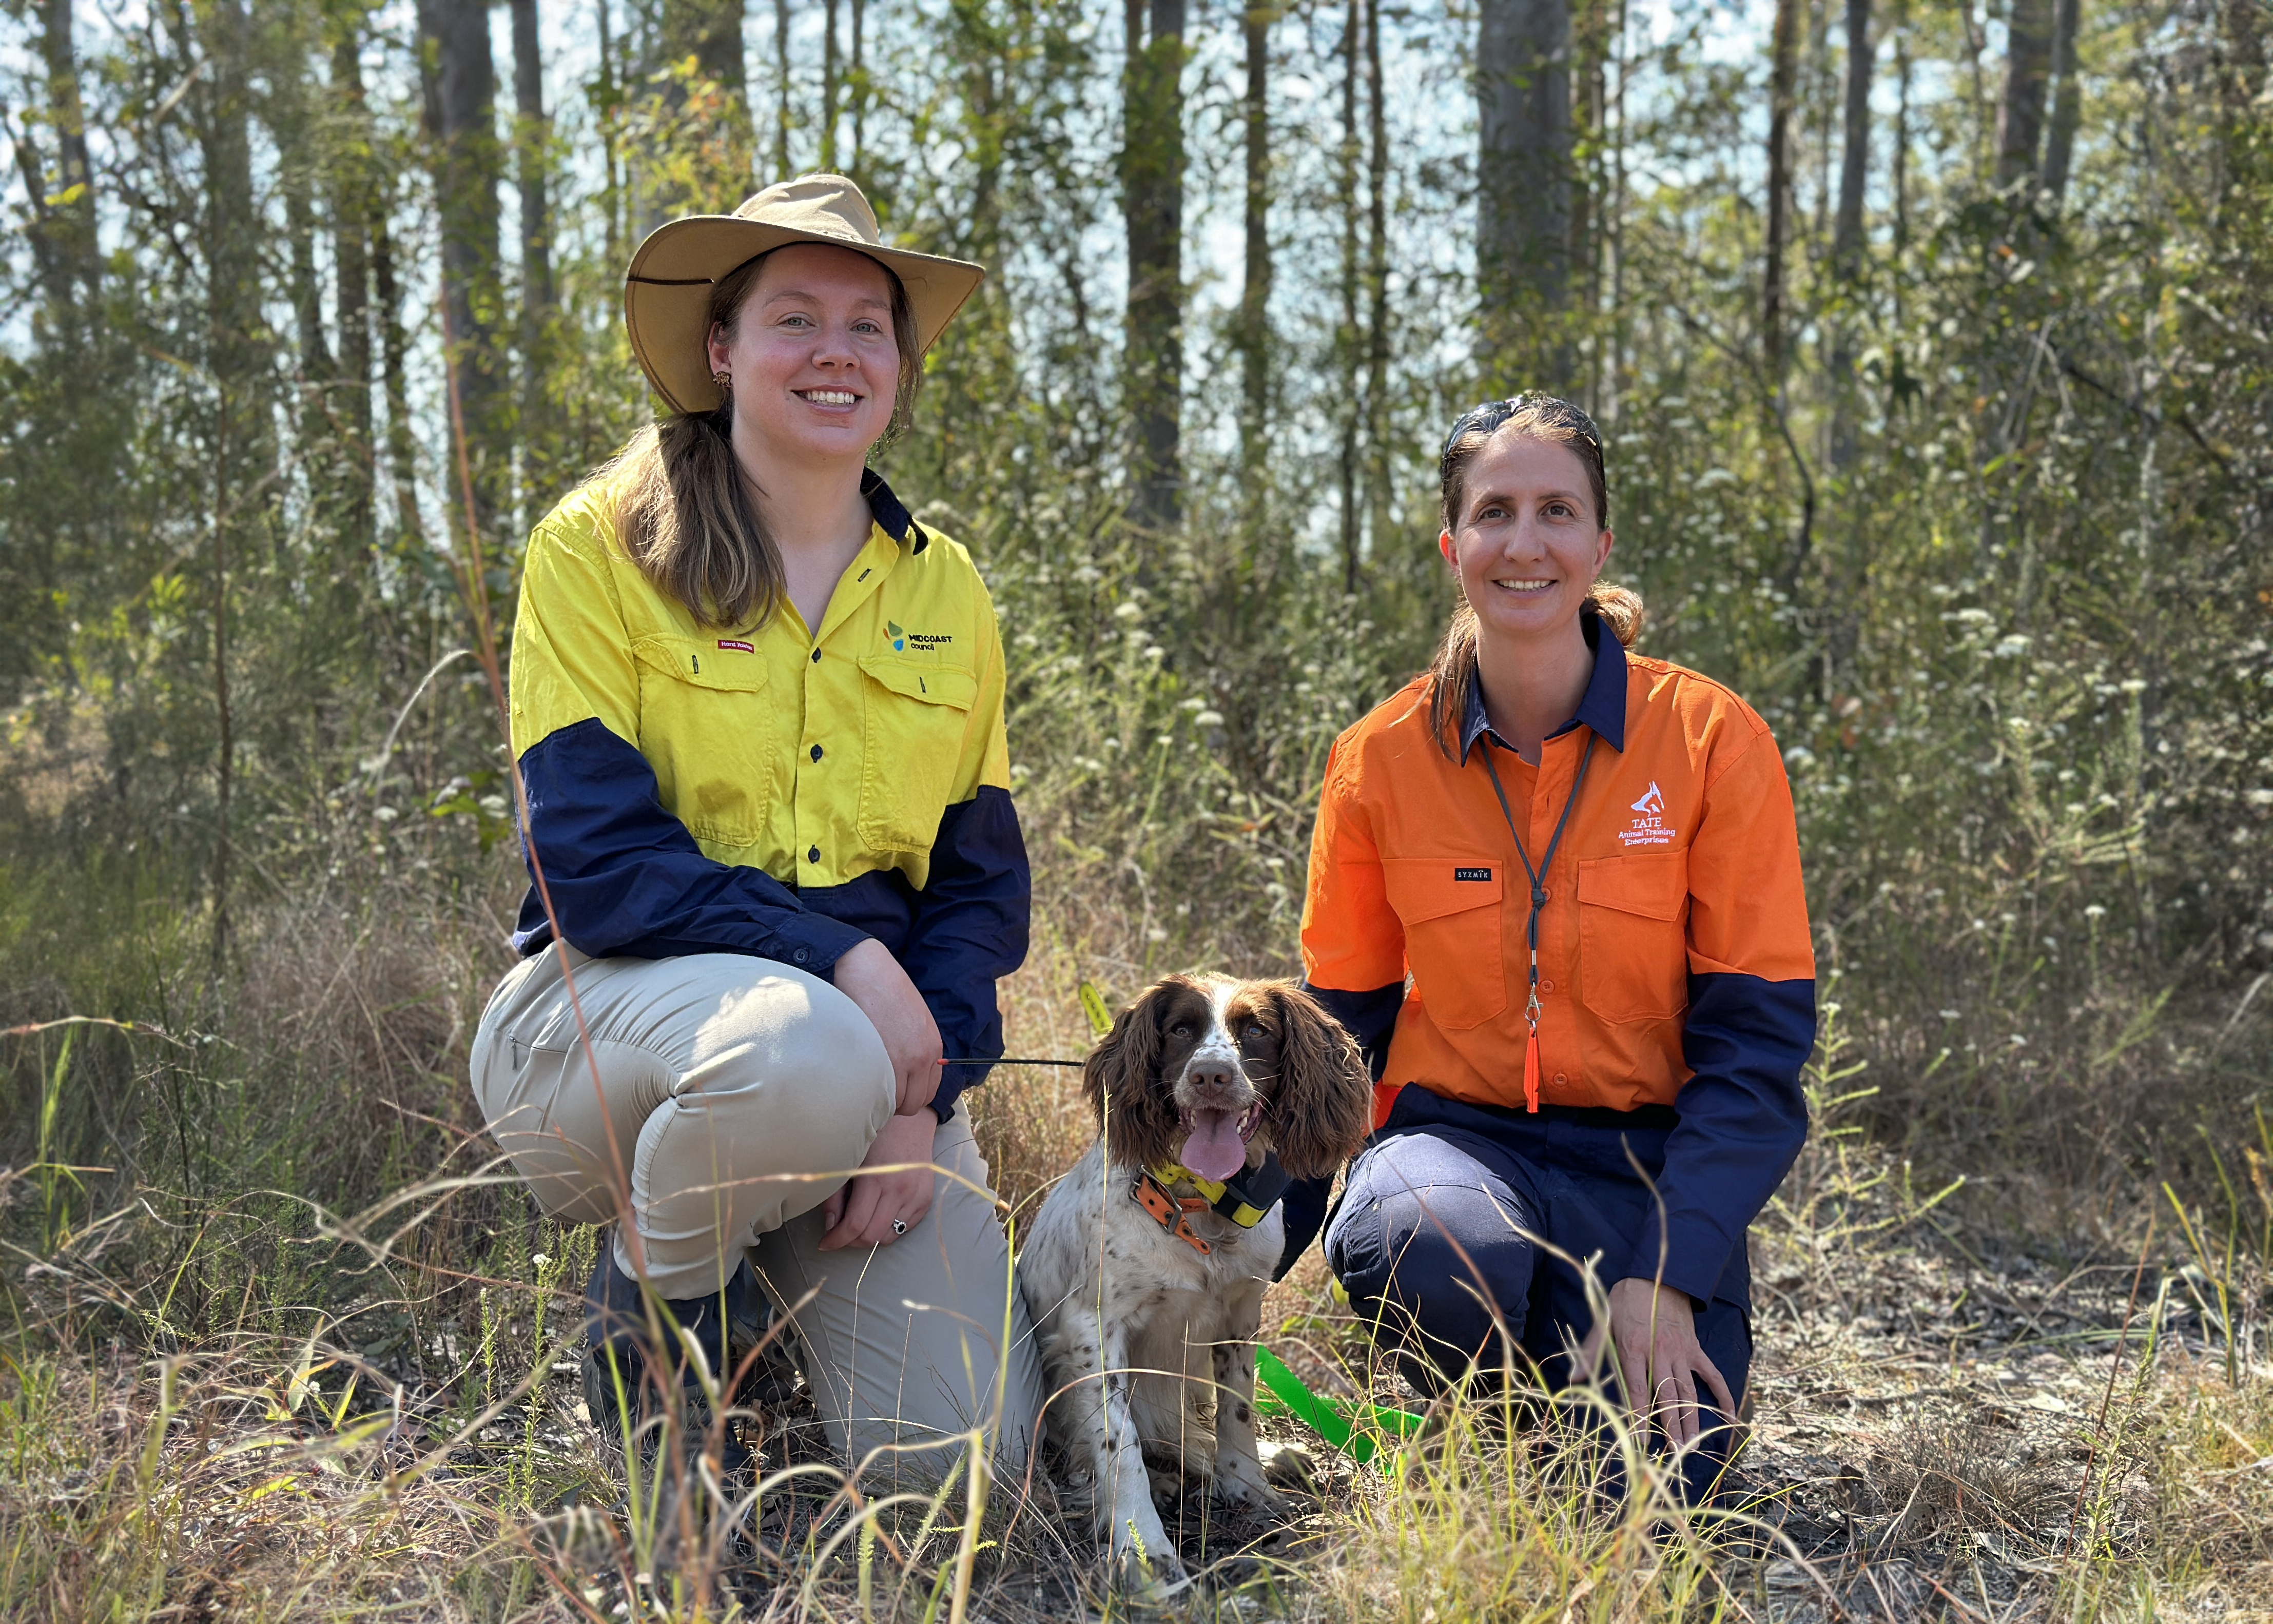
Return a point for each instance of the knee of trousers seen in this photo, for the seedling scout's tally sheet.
(839, 1068)
(1422, 1258)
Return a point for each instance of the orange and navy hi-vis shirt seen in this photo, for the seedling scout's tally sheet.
(1675, 970)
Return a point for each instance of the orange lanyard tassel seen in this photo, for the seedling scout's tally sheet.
(1531, 1072)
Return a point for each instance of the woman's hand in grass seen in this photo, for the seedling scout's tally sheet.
(860, 1212)
(873, 978)
(1662, 1367)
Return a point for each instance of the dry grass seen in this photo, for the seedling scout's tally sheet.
(231, 1407)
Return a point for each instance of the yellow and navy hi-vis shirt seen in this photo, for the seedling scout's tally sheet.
(784, 791)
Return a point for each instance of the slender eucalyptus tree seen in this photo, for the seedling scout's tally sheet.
(2028, 68)
(1523, 185)
(2067, 101)
(532, 143)
(1255, 288)
(460, 86)
(1783, 73)
(1153, 211)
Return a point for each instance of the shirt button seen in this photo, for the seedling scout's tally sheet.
(816, 657)
(1561, 1078)
(816, 752)
(1547, 986)
(798, 956)
(813, 854)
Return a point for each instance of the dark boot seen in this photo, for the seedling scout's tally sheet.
(619, 1343)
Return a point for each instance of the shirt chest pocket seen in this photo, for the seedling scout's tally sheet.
(912, 744)
(1633, 938)
(1450, 911)
(706, 726)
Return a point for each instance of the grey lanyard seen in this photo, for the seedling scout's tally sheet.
(1538, 877)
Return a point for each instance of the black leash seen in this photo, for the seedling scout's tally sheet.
(1538, 899)
(993, 1059)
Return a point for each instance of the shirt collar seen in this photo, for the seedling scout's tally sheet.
(891, 514)
(1602, 708)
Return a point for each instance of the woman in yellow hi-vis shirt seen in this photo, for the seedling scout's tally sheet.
(776, 872)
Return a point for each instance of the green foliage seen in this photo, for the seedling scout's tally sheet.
(1993, 560)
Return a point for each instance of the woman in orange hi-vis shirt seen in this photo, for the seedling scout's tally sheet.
(1555, 894)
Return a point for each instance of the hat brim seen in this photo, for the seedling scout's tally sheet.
(667, 294)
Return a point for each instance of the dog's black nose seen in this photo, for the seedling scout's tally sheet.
(1211, 1076)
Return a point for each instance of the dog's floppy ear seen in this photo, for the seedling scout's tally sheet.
(1121, 1078)
(1322, 1107)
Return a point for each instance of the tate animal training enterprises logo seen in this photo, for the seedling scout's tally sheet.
(1649, 826)
(926, 642)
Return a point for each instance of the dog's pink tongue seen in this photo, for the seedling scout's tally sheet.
(1215, 1150)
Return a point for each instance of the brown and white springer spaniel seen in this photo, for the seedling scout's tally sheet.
(1146, 1299)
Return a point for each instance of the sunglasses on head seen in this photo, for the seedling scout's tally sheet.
(1490, 415)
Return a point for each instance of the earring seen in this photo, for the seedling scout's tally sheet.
(724, 380)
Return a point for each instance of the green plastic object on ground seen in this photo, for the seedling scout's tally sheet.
(1357, 1439)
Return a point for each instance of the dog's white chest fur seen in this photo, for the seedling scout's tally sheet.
(1148, 1346)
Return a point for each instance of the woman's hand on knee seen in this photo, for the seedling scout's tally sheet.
(873, 978)
(861, 1213)
(1663, 1369)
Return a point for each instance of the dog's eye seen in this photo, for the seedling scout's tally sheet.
(1183, 1028)
(1255, 1030)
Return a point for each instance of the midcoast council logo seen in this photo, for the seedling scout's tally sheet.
(925, 641)
(1649, 827)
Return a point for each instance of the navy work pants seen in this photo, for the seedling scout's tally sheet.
(1436, 1241)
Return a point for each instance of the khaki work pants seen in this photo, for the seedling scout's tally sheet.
(741, 1092)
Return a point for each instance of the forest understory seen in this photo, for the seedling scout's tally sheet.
(1930, 343)
(1991, 1399)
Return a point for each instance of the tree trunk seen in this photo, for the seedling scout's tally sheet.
(1255, 292)
(781, 85)
(857, 85)
(606, 111)
(351, 196)
(710, 32)
(1590, 94)
(233, 242)
(238, 359)
(1847, 242)
(1152, 202)
(830, 78)
(1376, 282)
(461, 120)
(291, 122)
(69, 222)
(1854, 152)
(2068, 101)
(394, 348)
(1345, 338)
(1783, 65)
(2028, 61)
(532, 139)
(1523, 180)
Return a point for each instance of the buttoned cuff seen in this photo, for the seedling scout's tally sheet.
(812, 943)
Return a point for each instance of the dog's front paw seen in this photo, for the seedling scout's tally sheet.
(1154, 1573)
(1241, 1483)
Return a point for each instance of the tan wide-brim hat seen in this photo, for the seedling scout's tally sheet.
(667, 290)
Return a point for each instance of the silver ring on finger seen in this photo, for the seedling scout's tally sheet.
(899, 1226)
